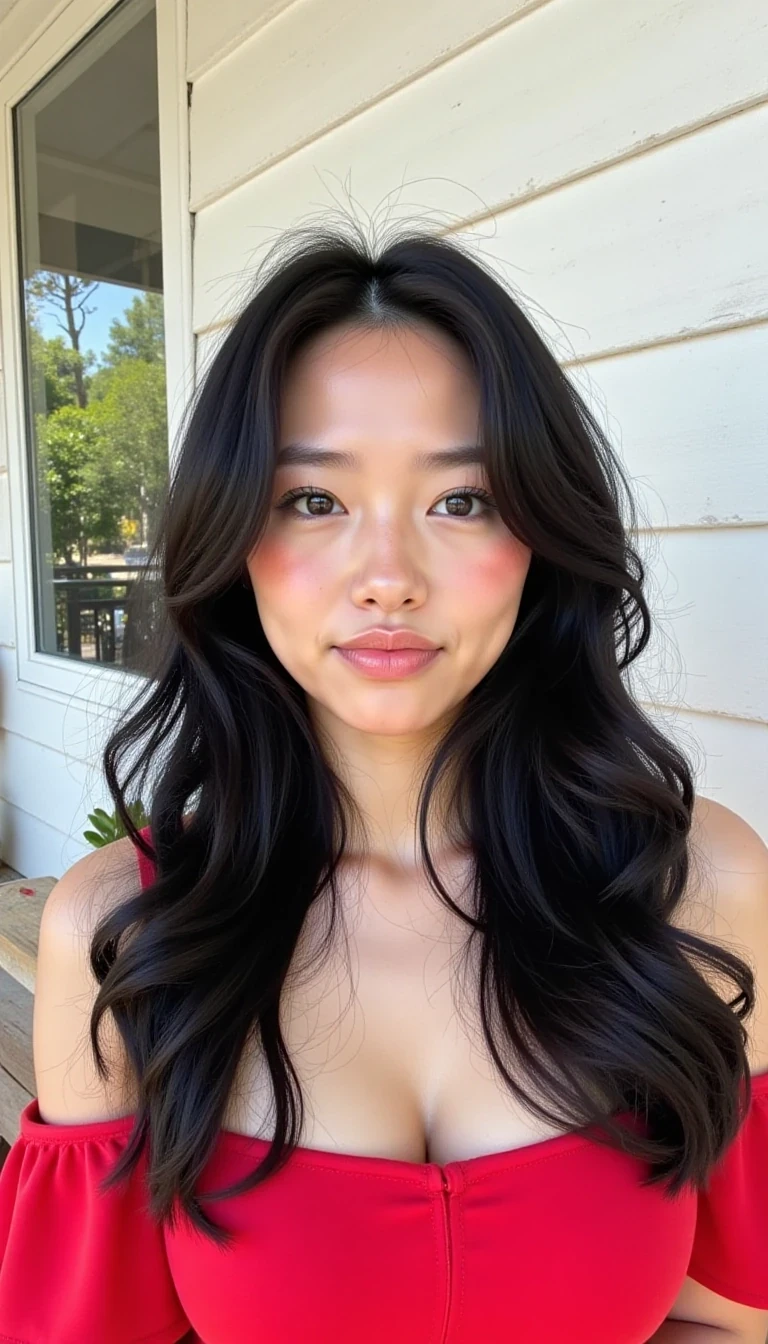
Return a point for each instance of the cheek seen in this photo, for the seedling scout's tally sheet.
(494, 576)
(285, 571)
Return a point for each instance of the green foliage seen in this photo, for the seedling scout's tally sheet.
(55, 366)
(81, 478)
(109, 827)
(131, 416)
(102, 435)
(141, 334)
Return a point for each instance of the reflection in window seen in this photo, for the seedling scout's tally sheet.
(88, 191)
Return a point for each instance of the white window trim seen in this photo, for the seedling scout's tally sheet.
(48, 675)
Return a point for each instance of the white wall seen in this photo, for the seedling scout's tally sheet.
(610, 160)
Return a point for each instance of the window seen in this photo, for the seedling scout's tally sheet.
(87, 154)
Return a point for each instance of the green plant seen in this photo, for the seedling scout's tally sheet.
(108, 825)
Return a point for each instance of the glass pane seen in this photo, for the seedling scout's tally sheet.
(88, 189)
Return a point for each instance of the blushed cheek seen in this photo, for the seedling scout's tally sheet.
(495, 576)
(284, 573)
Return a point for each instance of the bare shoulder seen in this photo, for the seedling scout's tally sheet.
(92, 886)
(728, 840)
(730, 865)
(727, 901)
(69, 1089)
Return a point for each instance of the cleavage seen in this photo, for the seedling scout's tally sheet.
(386, 1040)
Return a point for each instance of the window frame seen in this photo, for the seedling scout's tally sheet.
(46, 675)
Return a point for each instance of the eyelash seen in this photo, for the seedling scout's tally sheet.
(302, 491)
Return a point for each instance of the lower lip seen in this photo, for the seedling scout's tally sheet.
(388, 665)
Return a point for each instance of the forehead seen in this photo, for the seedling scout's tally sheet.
(354, 381)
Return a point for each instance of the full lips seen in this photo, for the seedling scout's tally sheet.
(388, 664)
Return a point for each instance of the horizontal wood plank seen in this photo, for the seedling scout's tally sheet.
(709, 647)
(688, 421)
(212, 33)
(13, 1099)
(395, 92)
(653, 249)
(17, 1074)
(21, 909)
(16, 1010)
(313, 66)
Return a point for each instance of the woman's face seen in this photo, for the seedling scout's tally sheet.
(383, 539)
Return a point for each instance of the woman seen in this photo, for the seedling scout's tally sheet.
(421, 1025)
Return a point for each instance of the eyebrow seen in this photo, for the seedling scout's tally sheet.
(305, 454)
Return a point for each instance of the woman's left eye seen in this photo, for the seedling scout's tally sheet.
(464, 495)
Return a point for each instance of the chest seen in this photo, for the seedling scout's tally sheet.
(384, 1031)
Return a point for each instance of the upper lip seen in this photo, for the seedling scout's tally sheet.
(388, 639)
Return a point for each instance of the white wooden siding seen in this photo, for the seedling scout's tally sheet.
(501, 96)
(690, 421)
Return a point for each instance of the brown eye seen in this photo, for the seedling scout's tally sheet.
(313, 497)
(325, 502)
(459, 503)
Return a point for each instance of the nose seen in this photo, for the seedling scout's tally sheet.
(389, 573)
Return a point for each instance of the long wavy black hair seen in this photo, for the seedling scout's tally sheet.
(577, 809)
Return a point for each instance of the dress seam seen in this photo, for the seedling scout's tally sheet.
(461, 1238)
(439, 1276)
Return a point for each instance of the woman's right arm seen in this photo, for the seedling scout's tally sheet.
(79, 1265)
(69, 1090)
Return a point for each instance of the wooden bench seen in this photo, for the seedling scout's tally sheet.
(21, 907)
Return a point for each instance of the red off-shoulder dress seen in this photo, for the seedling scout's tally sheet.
(551, 1242)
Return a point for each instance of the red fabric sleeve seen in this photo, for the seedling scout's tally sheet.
(80, 1266)
(730, 1248)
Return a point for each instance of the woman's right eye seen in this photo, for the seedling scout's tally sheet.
(306, 492)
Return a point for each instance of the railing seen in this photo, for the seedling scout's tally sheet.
(91, 601)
